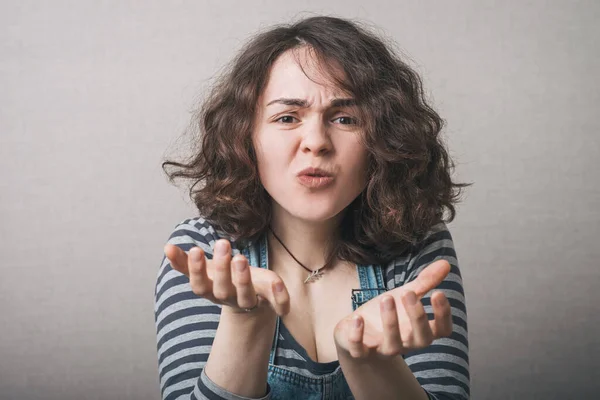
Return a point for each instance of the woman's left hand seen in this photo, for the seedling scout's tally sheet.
(395, 322)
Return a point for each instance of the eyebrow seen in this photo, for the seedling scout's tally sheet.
(304, 104)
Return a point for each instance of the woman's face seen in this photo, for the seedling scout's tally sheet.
(300, 125)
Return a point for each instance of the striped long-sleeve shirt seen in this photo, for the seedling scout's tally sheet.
(186, 323)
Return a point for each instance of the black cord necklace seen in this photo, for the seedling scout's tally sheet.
(314, 275)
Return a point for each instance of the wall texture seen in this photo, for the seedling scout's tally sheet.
(93, 94)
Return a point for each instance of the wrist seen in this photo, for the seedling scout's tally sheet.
(260, 318)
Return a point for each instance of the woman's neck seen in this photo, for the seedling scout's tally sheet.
(308, 241)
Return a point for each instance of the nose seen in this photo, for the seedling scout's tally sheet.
(315, 138)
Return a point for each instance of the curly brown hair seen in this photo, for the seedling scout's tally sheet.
(409, 185)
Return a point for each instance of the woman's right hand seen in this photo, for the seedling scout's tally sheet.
(230, 282)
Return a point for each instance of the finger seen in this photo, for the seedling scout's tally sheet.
(223, 288)
(392, 340)
(199, 281)
(429, 278)
(421, 336)
(355, 329)
(177, 258)
(246, 295)
(281, 297)
(441, 326)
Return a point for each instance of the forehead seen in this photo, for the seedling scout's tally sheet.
(298, 73)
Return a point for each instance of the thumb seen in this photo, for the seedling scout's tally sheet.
(429, 278)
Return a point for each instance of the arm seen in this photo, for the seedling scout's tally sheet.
(381, 379)
(194, 335)
(442, 368)
(239, 357)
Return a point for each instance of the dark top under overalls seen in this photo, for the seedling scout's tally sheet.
(287, 384)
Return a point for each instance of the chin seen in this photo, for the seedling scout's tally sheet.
(312, 216)
(309, 208)
(313, 212)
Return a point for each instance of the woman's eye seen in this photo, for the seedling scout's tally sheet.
(286, 119)
(346, 120)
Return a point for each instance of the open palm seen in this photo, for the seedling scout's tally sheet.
(395, 322)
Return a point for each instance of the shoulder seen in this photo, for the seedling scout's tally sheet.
(192, 232)
(197, 231)
(189, 233)
(435, 245)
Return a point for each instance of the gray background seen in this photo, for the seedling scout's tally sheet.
(93, 95)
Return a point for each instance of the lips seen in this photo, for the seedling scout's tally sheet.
(315, 182)
(315, 172)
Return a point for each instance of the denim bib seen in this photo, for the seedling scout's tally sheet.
(287, 384)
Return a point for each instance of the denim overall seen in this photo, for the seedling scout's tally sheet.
(290, 385)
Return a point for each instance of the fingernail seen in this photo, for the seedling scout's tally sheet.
(221, 248)
(411, 298)
(279, 287)
(357, 321)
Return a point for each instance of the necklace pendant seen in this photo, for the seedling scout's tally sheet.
(313, 276)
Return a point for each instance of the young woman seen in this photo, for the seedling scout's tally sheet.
(320, 265)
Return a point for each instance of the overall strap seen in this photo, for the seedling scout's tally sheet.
(252, 254)
(372, 284)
